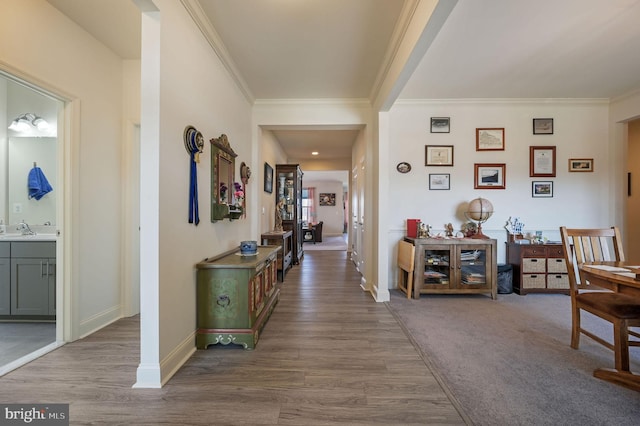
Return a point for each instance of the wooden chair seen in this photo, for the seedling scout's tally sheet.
(622, 311)
(406, 257)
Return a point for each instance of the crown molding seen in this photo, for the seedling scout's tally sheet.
(546, 101)
(351, 102)
(213, 38)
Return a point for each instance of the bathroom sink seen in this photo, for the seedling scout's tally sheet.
(20, 237)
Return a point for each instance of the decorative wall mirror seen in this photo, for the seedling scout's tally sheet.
(223, 167)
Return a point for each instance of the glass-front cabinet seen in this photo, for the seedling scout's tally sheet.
(289, 190)
(454, 266)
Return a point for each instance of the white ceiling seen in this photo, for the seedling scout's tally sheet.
(311, 49)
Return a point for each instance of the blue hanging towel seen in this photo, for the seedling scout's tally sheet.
(38, 184)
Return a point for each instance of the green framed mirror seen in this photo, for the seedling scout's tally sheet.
(223, 167)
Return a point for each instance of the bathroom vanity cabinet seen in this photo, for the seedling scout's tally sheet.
(28, 286)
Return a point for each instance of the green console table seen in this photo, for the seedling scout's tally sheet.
(235, 296)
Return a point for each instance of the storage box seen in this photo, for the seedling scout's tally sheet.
(412, 228)
(556, 265)
(530, 265)
(558, 281)
(533, 281)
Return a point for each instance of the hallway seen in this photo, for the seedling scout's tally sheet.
(328, 355)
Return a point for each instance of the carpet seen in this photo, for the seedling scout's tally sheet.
(508, 361)
(330, 242)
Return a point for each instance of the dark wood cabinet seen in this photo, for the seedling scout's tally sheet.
(283, 239)
(454, 266)
(235, 297)
(289, 189)
(538, 268)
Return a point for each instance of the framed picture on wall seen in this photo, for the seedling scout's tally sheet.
(438, 155)
(327, 199)
(439, 181)
(580, 164)
(440, 124)
(489, 176)
(490, 139)
(543, 126)
(542, 189)
(268, 178)
(542, 161)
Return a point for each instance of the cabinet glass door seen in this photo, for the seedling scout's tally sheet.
(473, 266)
(286, 192)
(437, 268)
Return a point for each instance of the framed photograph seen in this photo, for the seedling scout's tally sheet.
(580, 164)
(489, 176)
(543, 126)
(439, 181)
(438, 155)
(490, 139)
(327, 199)
(440, 124)
(542, 189)
(268, 178)
(542, 161)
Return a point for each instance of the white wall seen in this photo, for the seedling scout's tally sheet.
(271, 153)
(201, 94)
(581, 130)
(70, 63)
(332, 216)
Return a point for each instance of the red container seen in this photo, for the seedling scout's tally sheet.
(412, 228)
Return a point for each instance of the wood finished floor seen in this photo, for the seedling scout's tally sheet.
(328, 355)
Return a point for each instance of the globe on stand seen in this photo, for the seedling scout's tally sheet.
(479, 210)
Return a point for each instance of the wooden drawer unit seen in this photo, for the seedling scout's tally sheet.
(538, 268)
(283, 239)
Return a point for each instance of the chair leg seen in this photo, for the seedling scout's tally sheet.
(621, 345)
(409, 284)
(575, 327)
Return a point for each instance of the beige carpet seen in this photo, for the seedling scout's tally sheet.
(331, 242)
(508, 361)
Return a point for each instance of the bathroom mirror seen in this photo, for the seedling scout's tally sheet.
(223, 166)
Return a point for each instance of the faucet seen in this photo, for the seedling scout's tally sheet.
(24, 228)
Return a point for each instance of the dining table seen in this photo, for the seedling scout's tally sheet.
(622, 278)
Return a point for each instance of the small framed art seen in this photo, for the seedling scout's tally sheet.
(543, 126)
(438, 155)
(542, 161)
(490, 139)
(489, 176)
(268, 178)
(440, 124)
(541, 189)
(580, 164)
(327, 199)
(439, 181)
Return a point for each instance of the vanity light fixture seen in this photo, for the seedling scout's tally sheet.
(314, 153)
(23, 122)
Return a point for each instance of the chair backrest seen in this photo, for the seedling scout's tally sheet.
(589, 245)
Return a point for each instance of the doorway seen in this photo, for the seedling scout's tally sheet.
(632, 228)
(28, 147)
